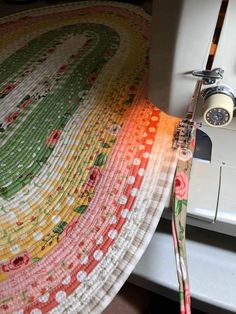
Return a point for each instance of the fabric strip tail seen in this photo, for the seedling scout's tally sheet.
(179, 213)
(184, 294)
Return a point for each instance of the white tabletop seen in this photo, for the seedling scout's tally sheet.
(212, 268)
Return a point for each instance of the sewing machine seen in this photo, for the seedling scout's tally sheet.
(193, 58)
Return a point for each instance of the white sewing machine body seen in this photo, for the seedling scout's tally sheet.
(182, 33)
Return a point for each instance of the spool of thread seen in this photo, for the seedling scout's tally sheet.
(218, 109)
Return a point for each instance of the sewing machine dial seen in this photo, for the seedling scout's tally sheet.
(217, 116)
(219, 105)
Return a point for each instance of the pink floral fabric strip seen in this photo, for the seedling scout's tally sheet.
(180, 199)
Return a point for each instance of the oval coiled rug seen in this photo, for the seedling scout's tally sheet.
(86, 162)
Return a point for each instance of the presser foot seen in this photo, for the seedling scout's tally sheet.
(183, 134)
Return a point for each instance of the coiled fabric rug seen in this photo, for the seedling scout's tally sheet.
(86, 162)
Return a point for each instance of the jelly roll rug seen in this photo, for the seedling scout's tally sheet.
(86, 162)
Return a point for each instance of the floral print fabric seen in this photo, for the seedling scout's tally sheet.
(180, 199)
